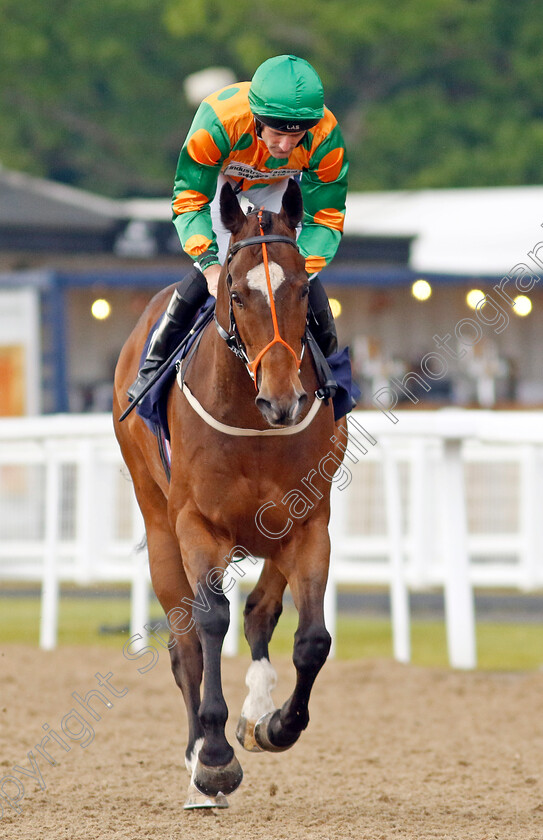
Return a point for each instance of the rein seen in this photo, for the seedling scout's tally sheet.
(232, 338)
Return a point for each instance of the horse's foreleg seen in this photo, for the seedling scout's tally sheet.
(307, 575)
(262, 611)
(173, 591)
(187, 667)
(184, 611)
(216, 769)
(171, 588)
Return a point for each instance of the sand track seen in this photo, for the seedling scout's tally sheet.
(391, 752)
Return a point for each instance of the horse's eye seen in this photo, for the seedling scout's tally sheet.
(304, 291)
(236, 298)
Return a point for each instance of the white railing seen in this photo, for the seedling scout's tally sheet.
(68, 512)
(445, 499)
(458, 494)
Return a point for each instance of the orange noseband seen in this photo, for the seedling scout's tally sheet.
(253, 366)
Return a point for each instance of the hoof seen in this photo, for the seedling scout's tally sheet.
(195, 799)
(262, 737)
(245, 733)
(214, 780)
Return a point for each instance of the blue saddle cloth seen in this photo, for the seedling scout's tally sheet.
(348, 392)
(153, 407)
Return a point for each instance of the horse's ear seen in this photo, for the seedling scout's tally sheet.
(232, 216)
(292, 208)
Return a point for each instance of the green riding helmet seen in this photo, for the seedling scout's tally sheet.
(286, 93)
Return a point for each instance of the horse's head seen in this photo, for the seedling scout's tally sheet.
(263, 290)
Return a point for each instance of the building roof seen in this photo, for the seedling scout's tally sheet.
(26, 201)
(457, 231)
(464, 232)
(468, 231)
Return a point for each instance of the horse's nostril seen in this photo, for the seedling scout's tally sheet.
(271, 411)
(278, 412)
(297, 406)
(263, 405)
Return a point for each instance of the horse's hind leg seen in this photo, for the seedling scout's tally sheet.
(263, 608)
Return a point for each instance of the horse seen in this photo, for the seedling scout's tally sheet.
(247, 433)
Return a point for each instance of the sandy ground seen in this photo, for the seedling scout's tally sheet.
(392, 751)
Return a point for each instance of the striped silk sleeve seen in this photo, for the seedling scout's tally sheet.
(324, 191)
(198, 167)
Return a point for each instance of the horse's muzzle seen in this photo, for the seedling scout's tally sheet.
(281, 411)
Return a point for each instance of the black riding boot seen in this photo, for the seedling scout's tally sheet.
(321, 320)
(323, 331)
(187, 297)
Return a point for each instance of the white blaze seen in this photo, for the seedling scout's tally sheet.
(256, 278)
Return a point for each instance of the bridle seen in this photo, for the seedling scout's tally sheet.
(232, 338)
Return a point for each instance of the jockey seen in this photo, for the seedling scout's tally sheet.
(255, 135)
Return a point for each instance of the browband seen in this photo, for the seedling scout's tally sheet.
(258, 240)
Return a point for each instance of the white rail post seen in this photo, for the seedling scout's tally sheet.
(50, 581)
(529, 517)
(459, 605)
(399, 596)
(87, 497)
(419, 515)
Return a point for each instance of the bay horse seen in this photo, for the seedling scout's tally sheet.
(245, 429)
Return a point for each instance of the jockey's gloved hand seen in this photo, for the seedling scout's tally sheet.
(212, 274)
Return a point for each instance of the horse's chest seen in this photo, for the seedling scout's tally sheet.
(239, 490)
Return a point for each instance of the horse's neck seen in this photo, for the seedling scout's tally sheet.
(221, 381)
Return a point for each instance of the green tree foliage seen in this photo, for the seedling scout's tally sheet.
(429, 93)
(92, 94)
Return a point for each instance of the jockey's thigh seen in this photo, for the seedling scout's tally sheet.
(268, 196)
